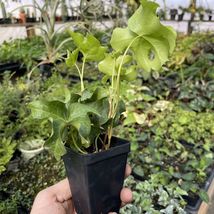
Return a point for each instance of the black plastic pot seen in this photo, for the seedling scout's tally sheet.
(9, 66)
(5, 21)
(172, 17)
(193, 204)
(46, 70)
(180, 17)
(201, 16)
(31, 19)
(16, 68)
(173, 13)
(97, 179)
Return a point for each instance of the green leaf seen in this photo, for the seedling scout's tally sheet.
(86, 95)
(83, 125)
(121, 38)
(180, 191)
(151, 41)
(120, 109)
(74, 97)
(143, 49)
(79, 110)
(48, 109)
(61, 94)
(89, 46)
(102, 107)
(71, 58)
(126, 59)
(134, 117)
(55, 142)
(107, 66)
(92, 49)
(146, 13)
(204, 196)
(138, 170)
(188, 176)
(77, 38)
(130, 73)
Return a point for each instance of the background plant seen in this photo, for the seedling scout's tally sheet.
(152, 197)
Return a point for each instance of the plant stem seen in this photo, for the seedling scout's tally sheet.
(82, 74)
(77, 147)
(114, 99)
(78, 69)
(117, 90)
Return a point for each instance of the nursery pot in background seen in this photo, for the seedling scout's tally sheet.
(96, 179)
(173, 13)
(201, 16)
(31, 148)
(180, 17)
(46, 70)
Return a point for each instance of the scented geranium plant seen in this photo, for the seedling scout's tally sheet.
(84, 120)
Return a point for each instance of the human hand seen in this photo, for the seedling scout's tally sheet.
(57, 199)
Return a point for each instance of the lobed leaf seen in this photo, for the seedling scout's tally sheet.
(71, 58)
(48, 109)
(151, 42)
(55, 142)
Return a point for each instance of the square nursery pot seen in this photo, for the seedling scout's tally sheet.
(46, 70)
(194, 204)
(96, 179)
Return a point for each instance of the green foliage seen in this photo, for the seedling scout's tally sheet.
(42, 171)
(153, 197)
(10, 107)
(82, 117)
(24, 51)
(151, 44)
(77, 121)
(179, 148)
(9, 206)
(89, 46)
(7, 149)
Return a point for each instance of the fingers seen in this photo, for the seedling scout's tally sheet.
(68, 205)
(126, 196)
(128, 170)
(61, 190)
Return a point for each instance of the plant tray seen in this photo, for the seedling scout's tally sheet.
(196, 205)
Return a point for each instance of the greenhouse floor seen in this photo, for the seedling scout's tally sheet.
(9, 32)
(211, 208)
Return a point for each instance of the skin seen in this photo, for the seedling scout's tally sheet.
(57, 199)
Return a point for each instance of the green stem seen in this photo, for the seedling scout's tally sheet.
(77, 147)
(116, 92)
(82, 74)
(78, 70)
(96, 147)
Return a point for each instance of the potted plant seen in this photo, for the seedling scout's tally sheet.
(173, 13)
(83, 121)
(183, 10)
(64, 11)
(31, 148)
(5, 18)
(48, 13)
(209, 13)
(201, 12)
